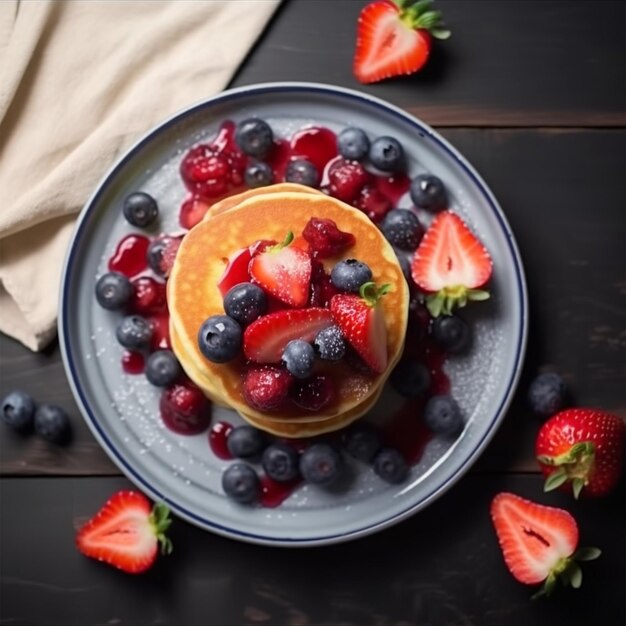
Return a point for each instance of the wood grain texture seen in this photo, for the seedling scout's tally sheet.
(563, 193)
(508, 63)
(442, 566)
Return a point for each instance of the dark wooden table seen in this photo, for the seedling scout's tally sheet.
(533, 94)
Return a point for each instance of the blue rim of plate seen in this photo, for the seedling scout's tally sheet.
(118, 457)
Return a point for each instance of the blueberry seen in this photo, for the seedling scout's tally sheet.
(451, 332)
(299, 358)
(427, 192)
(258, 174)
(353, 144)
(154, 255)
(113, 291)
(330, 344)
(443, 416)
(52, 423)
(134, 332)
(402, 229)
(219, 338)
(405, 264)
(410, 378)
(303, 172)
(387, 154)
(281, 462)
(18, 409)
(162, 368)
(140, 209)
(547, 394)
(245, 302)
(390, 465)
(350, 274)
(254, 136)
(246, 442)
(362, 442)
(321, 464)
(241, 483)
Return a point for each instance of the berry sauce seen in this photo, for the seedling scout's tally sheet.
(132, 362)
(129, 257)
(160, 331)
(218, 434)
(393, 187)
(273, 493)
(317, 144)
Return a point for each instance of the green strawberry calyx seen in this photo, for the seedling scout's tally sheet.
(568, 571)
(449, 298)
(575, 465)
(418, 15)
(283, 244)
(160, 521)
(371, 294)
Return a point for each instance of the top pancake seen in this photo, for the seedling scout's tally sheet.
(193, 295)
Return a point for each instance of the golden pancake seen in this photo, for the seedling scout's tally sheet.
(193, 295)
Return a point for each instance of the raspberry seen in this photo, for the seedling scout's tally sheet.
(373, 203)
(313, 394)
(266, 388)
(148, 295)
(325, 239)
(346, 179)
(184, 409)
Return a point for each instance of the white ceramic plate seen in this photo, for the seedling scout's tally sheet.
(122, 410)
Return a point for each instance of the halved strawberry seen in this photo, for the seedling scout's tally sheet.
(126, 532)
(362, 323)
(538, 542)
(265, 339)
(236, 270)
(451, 264)
(395, 39)
(284, 271)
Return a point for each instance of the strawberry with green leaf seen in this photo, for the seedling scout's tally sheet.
(395, 38)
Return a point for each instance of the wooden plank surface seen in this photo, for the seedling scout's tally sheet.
(508, 62)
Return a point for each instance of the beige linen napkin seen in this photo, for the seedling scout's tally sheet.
(79, 82)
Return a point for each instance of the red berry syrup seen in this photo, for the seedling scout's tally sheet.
(129, 257)
(218, 434)
(317, 144)
(132, 362)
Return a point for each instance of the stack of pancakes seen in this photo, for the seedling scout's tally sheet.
(193, 296)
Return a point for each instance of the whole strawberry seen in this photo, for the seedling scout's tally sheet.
(584, 446)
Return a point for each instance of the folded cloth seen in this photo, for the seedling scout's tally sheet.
(80, 81)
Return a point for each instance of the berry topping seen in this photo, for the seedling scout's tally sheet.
(113, 291)
(245, 442)
(443, 416)
(303, 172)
(299, 358)
(254, 136)
(219, 338)
(402, 229)
(184, 409)
(129, 257)
(322, 289)
(162, 368)
(241, 483)
(350, 274)
(148, 295)
(387, 154)
(258, 174)
(584, 446)
(18, 410)
(236, 270)
(390, 465)
(362, 442)
(325, 239)
(362, 323)
(281, 462)
(245, 303)
(451, 332)
(410, 378)
(538, 542)
(161, 254)
(140, 209)
(353, 144)
(451, 264)
(265, 339)
(427, 192)
(192, 211)
(134, 332)
(314, 393)
(126, 533)
(53, 424)
(266, 388)
(330, 344)
(373, 203)
(346, 179)
(284, 271)
(321, 464)
(547, 394)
